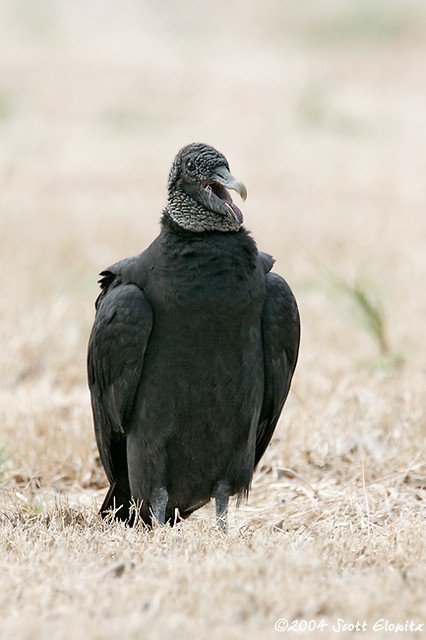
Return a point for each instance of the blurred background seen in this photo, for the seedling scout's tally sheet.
(319, 108)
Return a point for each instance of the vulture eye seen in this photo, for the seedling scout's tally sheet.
(190, 165)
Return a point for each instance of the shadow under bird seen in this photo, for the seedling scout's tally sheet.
(191, 354)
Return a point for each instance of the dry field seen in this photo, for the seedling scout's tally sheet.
(321, 110)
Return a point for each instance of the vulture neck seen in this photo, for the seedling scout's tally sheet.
(191, 215)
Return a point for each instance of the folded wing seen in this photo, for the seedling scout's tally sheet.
(116, 353)
(281, 337)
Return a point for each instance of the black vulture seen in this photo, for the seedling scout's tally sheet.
(191, 354)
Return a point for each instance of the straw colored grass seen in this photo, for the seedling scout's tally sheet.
(322, 115)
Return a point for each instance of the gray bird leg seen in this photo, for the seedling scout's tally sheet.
(159, 499)
(221, 496)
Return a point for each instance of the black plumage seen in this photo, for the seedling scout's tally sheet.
(191, 354)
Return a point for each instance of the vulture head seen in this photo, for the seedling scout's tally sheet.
(198, 196)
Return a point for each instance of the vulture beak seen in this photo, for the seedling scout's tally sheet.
(227, 180)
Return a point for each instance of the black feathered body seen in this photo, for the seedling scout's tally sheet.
(197, 406)
(202, 387)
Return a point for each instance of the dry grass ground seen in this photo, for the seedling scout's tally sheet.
(322, 113)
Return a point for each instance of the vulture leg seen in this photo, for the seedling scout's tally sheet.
(158, 504)
(221, 496)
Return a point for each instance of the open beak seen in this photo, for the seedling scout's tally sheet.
(218, 184)
(227, 180)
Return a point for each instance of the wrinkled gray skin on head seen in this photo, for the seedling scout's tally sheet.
(198, 197)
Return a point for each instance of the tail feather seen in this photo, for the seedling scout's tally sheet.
(118, 505)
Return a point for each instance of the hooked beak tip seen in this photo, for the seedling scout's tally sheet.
(226, 179)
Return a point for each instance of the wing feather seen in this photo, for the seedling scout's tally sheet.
(116, 352)
(281, 337)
